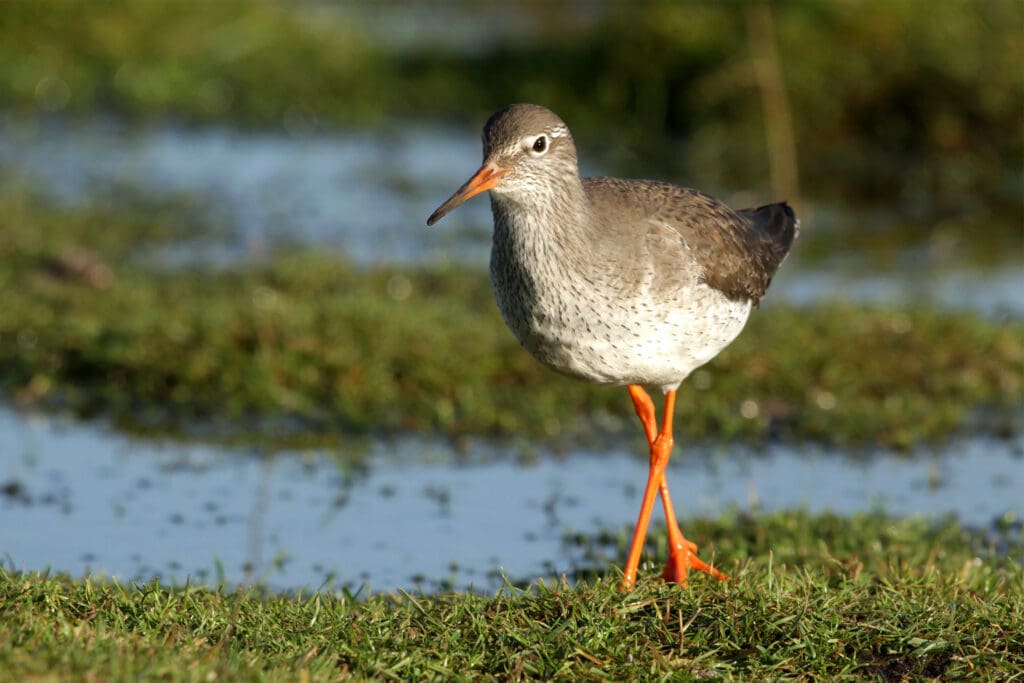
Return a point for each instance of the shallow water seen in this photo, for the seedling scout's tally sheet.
(77, 498)
(367, 193)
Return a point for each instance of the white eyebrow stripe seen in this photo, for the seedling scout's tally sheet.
(558, 131)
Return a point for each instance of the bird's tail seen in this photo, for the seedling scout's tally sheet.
(777, 224)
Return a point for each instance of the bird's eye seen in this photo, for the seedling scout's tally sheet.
(540, 144)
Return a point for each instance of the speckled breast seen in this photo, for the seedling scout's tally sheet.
(588, 328)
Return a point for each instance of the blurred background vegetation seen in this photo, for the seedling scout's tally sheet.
(914, 105)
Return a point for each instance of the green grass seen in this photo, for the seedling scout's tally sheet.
(812, 597)
(306, 349)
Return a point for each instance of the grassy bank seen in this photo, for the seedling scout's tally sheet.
(304, 348)
(814, 597)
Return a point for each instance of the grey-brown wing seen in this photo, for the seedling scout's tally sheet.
(737, 252)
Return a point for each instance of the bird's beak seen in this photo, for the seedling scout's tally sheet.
(484, 179)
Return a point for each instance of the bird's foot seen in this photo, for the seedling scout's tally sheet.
(683, 558)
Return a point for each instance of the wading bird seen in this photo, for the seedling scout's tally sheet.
(619, 282)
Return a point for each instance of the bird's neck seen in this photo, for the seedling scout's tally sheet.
(534, 257)
(552, 219)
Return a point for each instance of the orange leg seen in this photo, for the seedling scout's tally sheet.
(682, 553)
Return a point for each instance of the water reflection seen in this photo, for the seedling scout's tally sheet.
(80, 499)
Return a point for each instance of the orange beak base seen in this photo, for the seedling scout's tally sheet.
(483, 180)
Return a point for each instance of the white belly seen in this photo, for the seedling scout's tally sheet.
(626, 342)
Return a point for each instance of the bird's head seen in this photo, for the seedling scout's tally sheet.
(528, 154)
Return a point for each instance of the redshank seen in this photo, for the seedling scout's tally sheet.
(619, 282)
